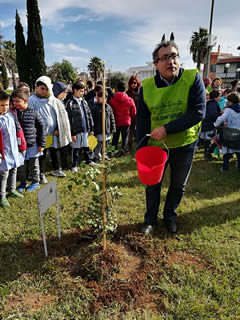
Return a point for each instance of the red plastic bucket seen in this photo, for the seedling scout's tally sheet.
(150, 164)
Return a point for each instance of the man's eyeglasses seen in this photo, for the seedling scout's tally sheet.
(166, 57)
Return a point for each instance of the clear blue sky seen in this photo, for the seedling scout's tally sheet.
(122, 33)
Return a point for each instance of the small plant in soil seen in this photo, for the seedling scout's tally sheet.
(91, 180)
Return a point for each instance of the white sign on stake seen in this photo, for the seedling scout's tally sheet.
(47, 196)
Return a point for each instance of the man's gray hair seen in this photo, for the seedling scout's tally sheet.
(163, 43)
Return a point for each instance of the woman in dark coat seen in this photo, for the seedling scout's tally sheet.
(134, 86)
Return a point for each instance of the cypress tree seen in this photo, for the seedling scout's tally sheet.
(21, 53)
(35, 45)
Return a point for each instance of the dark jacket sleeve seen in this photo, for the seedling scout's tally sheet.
(196, 109)
(112, 121)
(68, 109)
(41, 130)
(89, 116)
(143, 122)
(94, 117)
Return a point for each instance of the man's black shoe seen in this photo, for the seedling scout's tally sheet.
(171, 226)
(147, 229)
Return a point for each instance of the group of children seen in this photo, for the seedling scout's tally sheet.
(42, 122)
(224, 114)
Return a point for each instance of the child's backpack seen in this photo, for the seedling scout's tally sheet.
(229, 137)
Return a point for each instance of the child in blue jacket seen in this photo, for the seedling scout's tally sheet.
(13, 158)
(230, 119)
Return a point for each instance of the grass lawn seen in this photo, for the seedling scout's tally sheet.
(194, 275)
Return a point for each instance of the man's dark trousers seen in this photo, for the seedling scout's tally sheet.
(180, 162)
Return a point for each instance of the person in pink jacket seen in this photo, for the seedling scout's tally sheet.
(124, 111)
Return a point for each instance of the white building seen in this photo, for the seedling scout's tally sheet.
(142, 72)
(228, 69)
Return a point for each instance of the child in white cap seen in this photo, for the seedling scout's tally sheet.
(56, 122)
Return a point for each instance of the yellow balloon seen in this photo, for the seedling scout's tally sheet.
(92, 142)
(49, 141)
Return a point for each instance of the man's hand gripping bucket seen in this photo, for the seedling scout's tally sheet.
(150, 163)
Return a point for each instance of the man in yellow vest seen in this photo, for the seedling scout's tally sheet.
(170, 108)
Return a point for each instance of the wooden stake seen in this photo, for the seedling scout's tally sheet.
(103, 162)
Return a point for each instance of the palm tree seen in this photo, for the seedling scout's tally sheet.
(1, 48)
(198, 46)
(95, 67)
(9, 58)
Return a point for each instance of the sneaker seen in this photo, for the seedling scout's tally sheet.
(4, 203)
(15, 194)
(99, 159)
(147, 229)
(43, 179)
(74, 169)
(59, 173)
(33, 186)
(121, 154)
(22, 187)
(107, 158)
(92, 164)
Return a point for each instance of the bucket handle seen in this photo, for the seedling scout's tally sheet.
(149, 135)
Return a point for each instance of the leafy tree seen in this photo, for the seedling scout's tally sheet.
(35, 45)
(55, 72)
(198, 46)
(22, 59)
(63, 71)
(114, 78)
(95, 67)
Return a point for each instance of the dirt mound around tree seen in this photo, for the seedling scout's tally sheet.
(116, 276)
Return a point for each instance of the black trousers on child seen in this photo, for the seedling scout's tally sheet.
(55, 158)
(227, 157)
(124, 130)
(75, 155)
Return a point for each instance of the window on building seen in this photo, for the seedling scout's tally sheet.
(238, 71)
(226, 70)
(213, 68)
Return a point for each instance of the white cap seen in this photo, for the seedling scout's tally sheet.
(47, 81)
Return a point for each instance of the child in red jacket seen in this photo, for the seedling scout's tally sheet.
(124, 110)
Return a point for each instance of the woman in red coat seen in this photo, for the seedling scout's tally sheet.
(134, 86)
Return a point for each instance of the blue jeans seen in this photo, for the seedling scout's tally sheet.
(180, 162)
